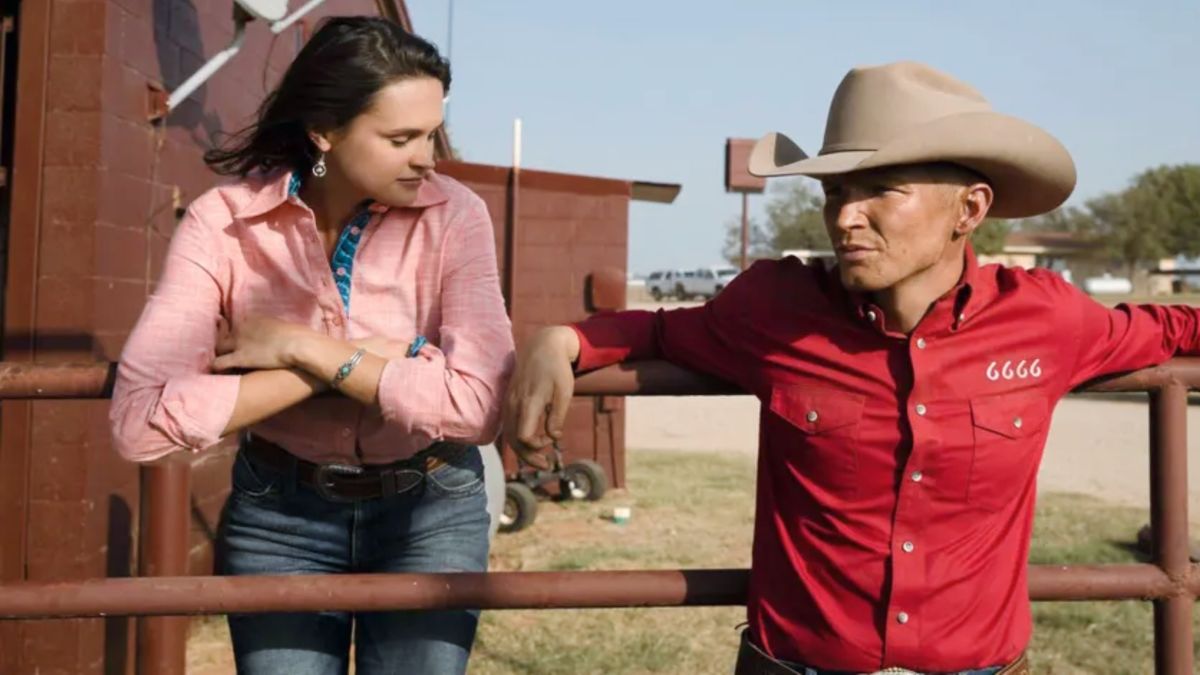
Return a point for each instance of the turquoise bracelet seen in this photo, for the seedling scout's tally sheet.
(346, 368)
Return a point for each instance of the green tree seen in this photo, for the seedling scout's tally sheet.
(1063, 219)
(794, 220)
(1157, 216)
(1166, 201)
(758, 244)
(1117, 221)
(989, 237)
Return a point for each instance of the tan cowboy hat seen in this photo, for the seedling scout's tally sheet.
(909, 113)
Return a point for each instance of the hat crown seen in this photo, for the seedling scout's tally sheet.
(876, 104)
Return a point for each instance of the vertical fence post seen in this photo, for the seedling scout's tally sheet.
(166, 520)
(1169, 524)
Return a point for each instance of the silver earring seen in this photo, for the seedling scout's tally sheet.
(318, 169)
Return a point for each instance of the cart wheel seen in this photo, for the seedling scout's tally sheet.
(520, 508)
(588, 480)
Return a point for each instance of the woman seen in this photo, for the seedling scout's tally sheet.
(336, 262)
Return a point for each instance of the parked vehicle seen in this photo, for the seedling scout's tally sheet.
(1107, 284)
(662, 283)
(704, 283)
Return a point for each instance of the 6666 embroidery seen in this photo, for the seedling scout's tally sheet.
(1019, 370)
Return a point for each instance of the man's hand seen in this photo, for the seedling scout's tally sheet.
(541, 389)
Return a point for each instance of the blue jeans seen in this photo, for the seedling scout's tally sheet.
(272, 525)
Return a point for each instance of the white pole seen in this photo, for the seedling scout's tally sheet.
(206, 71)
(284, 23)
(517, 143)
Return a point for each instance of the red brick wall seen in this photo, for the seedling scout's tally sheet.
(567, 227)
(111, 184)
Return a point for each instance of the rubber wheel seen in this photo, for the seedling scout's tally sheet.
(680, 292)
(589, 478)
(656, 293)
(520, 507)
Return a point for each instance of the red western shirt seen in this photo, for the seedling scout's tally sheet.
(897, 473)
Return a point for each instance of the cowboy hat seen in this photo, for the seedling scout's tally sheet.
(909, 113)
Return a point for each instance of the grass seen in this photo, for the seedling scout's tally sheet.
(696, 510)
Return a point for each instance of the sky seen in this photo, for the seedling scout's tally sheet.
(650, 90)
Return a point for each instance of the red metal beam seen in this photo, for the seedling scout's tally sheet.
(149, 596)
(645, 378)
(1169, 522)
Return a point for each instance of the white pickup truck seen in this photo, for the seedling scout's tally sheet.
(704, 283)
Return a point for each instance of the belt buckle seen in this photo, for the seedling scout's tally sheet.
(894, 671)
(323, 483)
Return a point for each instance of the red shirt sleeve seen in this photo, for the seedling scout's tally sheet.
(1128, 337)
(704, 339)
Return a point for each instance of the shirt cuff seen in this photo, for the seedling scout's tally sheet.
(605, 339)
(411, 394)
(195, 409)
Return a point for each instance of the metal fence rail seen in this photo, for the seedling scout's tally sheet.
(1172, 582)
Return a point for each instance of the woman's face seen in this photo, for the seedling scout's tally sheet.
(387, 151)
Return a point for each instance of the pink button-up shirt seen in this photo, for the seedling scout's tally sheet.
(249, 248)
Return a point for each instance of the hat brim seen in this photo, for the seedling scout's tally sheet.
(1029, 170)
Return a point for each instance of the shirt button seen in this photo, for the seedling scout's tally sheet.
(1017, 423)
(920, 343)
(921, 409)
(341, 271)
(908, 547)
(917, 476)
(811, 416)
(355, 230)
(346, 432)
(902, 617)
(962, 317)
(871, 316)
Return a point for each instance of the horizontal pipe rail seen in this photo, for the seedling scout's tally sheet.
(645, 378)
(155, 596)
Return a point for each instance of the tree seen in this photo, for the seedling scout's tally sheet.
(1157, 216)
(758, 246)
(989, 237)
(1062, 219)
(794, 220)
(1166, 200)
(1117, 221)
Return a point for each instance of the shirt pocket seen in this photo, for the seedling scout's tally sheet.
(815, 433)
(1007, 429)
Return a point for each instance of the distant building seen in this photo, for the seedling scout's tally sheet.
(1074, 257)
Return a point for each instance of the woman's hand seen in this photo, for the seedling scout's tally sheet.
(384, 348)
(259, 343)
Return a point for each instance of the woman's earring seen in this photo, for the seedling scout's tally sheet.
(318, 169)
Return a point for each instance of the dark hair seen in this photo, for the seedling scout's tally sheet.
(332, 81)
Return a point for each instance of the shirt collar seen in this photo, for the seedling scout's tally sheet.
(963, 299)
(277, 188)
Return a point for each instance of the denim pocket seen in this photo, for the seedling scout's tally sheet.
(460, 476)
(253, 481)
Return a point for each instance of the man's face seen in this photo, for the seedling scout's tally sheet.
(891, 224)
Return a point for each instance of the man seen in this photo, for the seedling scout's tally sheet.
(906, 394)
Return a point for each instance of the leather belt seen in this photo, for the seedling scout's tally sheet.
(754, 661)
(350, 482)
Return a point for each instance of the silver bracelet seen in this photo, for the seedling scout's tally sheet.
(346, 368)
